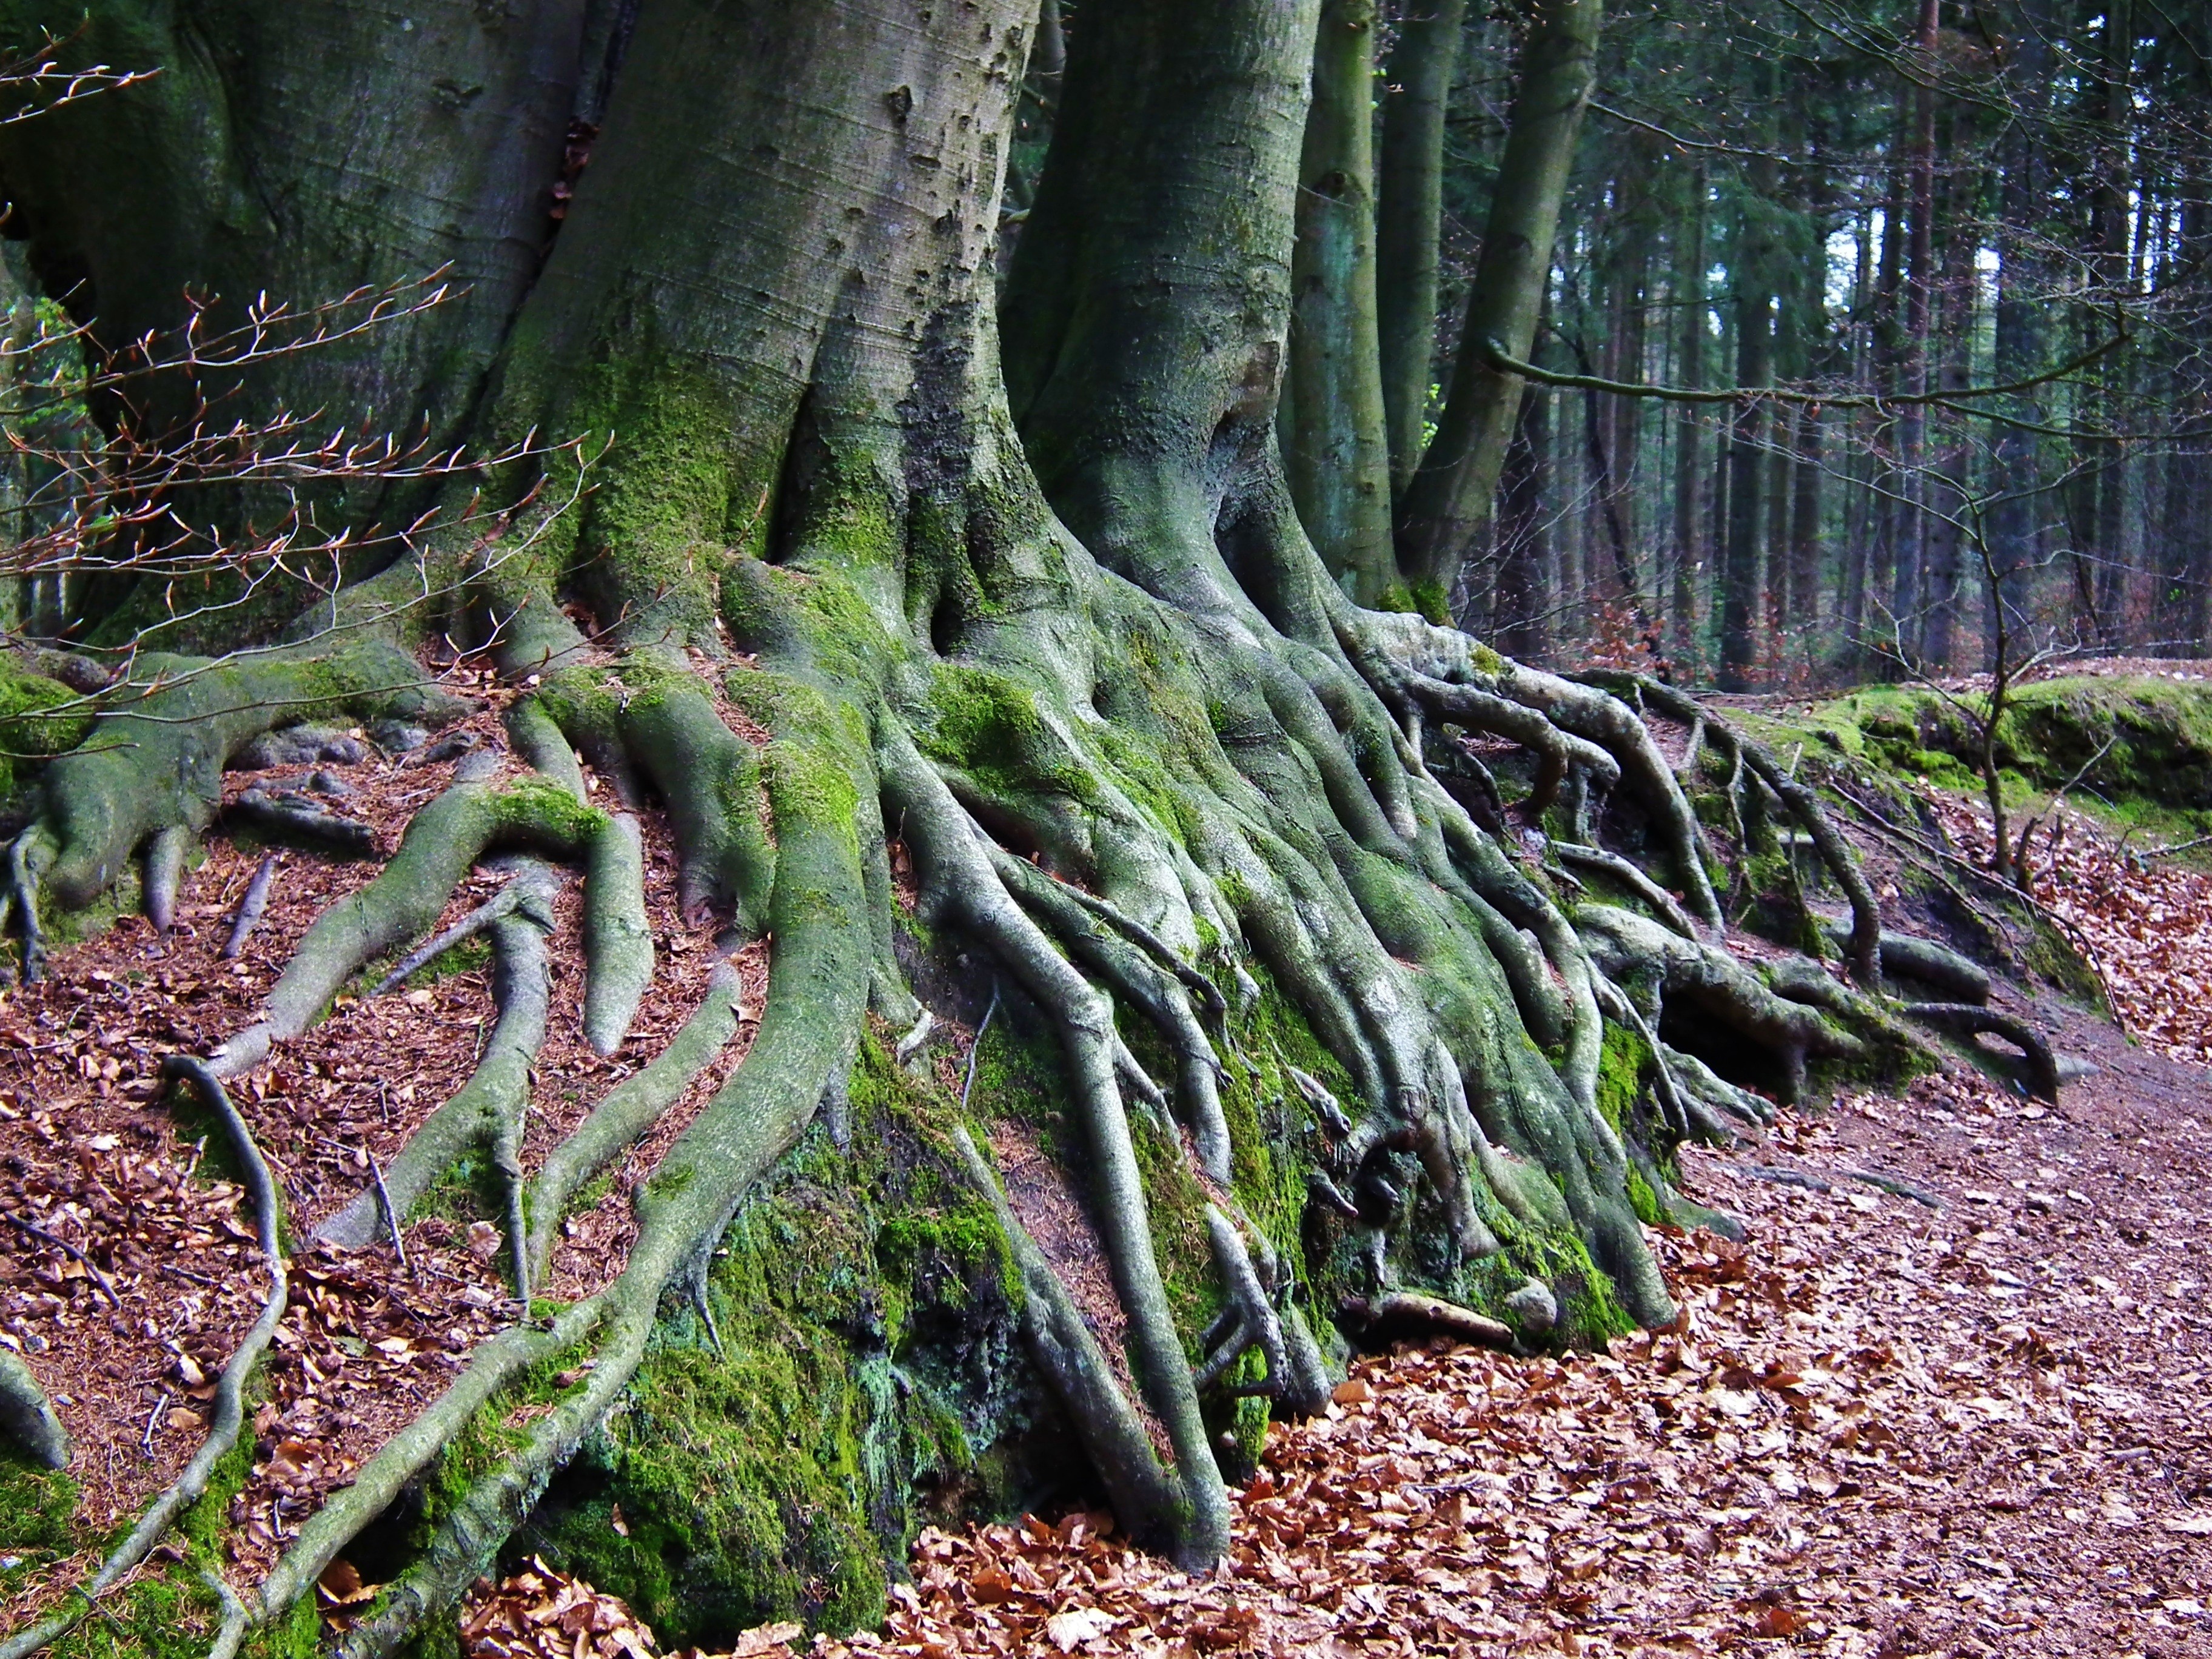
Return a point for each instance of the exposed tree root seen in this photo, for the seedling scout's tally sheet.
(1406, 1315)
(404, 902)
(228, 1410)
(1652, 963)
(1968, 1019)
(960, 883)
(1112, 1433)
(629, 1109)
(27, 1416)
(165, 870)
(287, 815)
(618, 938)
(1864, 947)
(1612, 864)
(250, 908)
(487, 1112)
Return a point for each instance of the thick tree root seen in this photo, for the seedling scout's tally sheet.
(489, 1109)
(1967, 1019)
(165, 872)
(1260, 1313)
(617, 936)
(629, 1109)
(1908, 958)
(1842, 859)
(250, 908)
(1142, 1493)
(960, 883)
(650, 717)
(1620, 870)
(27, 1416)
(156, 757)
(1647, 960)
(227, 1411)
(290, 816)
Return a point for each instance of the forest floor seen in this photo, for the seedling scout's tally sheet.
(1955, 1409)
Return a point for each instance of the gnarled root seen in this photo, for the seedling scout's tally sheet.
(1634, 952)
(404, 902)
(1260, 1313)
(227, 1411)
(817, 990)
(1967, 1019)
(960, 883)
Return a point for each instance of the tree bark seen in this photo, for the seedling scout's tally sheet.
(1335, 452)
(1409, 222)
(1449, 500)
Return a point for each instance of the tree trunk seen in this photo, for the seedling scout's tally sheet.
(1449, 500)
(1409, 221)
(1688, 293)
(1751, 266)
(1335, 452)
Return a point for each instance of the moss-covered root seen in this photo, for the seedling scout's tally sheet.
(227, 1413)
(1967, 1019)
(1636, 953)
(27, 1416)
(960, 886)
(1139, 978)
(1260, 1314)
(617, 937)
(630, 1108)
(156, 758)
(538, 740)
(402, 903)
(1863, 948)
(817, 999)
(487, 1110)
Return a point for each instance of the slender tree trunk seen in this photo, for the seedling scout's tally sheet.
(2018, 343)
(1684, 547)
(1409, 219)
(1449, 499)
(1520, 623)
(1908, 585)
(1334, 450)
(1751, 262)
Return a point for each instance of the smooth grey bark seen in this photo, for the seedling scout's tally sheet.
(1448, 498)
(1409, 221)
(1336, 453)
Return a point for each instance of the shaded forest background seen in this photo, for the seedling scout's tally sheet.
(1855, 204)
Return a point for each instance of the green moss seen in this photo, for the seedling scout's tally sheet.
(776, 1478)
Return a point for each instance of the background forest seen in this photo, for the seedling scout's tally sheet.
(1858, 204)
